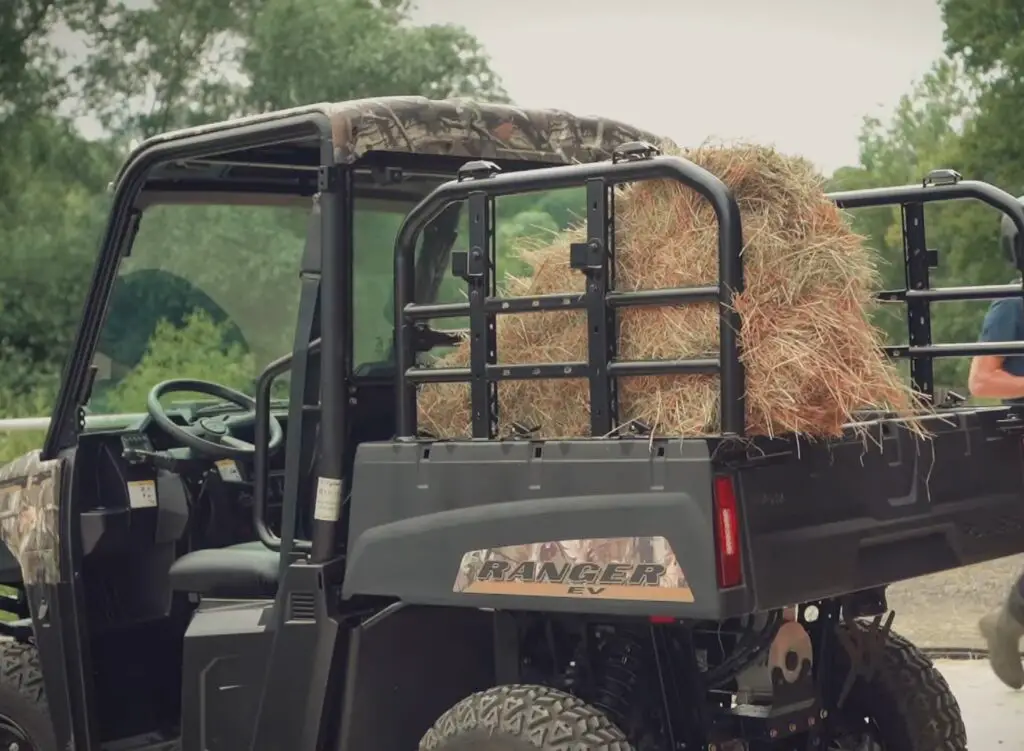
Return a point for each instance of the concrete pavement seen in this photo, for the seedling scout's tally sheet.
(993, 713)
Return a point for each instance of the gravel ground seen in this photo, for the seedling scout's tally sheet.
(942, 610)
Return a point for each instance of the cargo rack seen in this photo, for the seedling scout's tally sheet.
(479, 183)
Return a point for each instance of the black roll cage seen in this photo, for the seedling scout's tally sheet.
(479, 184)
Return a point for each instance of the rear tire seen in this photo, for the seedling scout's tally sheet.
(908, 700)
(523, 718)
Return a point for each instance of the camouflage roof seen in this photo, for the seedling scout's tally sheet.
(456, 127)
(470, 129)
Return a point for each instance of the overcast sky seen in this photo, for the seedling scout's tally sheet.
(800, 74)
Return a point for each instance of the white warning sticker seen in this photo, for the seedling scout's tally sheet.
(142, 494)
(228, 470)
(328, 500)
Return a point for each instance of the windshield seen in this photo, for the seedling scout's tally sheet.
(212, 293)
(208, 292)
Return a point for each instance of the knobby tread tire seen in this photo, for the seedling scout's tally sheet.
(909, 700)
(22, 696)
(19, 669)
(524, 717)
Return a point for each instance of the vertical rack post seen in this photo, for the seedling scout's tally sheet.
(611, 316)
(480, 274)
(595, 258)
(917, 262)
(732, 399)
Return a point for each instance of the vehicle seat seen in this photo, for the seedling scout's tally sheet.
(249, 569)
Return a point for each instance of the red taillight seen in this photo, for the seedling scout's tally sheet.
(660, 620)
(727, 533)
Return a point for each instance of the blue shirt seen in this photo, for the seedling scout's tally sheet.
(1004, 322)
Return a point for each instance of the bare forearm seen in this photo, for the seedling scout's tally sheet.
(997, 384)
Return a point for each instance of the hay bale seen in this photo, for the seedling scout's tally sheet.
(811, 354)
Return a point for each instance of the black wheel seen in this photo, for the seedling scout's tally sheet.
(523, 718)
(25, 723)
(907, 706)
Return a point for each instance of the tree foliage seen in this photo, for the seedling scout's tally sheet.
(177, 63)
(930, 128)
(988, 35)
(189, 307)
(353, 49)
(149, 68)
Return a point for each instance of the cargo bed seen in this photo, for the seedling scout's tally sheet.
(823, 519)
(815, 519)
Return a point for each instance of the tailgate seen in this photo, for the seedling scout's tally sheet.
(621, 527)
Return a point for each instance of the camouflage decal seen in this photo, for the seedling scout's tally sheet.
(615, 568)
(28, 516)
(464, 128)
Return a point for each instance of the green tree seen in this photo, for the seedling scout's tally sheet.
(199, 348)
(49, 225)
(927, 131)
(166, 65)
(989, 36)
(176, 63)
(12, 405)
(169, 64)
(30, 70)
(302, 51)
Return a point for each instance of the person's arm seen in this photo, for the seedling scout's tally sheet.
(987, 378)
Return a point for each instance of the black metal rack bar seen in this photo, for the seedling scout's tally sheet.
(945, 294)
(916, 266)
(665, 367)
(657, 297)
(596, 259)
(963, 189)
(499, 372)
(567, 301)
(956, 350)
(918, 293)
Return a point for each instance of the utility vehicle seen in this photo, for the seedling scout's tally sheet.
(300, 567)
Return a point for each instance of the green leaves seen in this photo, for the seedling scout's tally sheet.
(149, 68)
(945, 121)
(170, 64)
(176, 63)
(197, 348)
(302, 51)
(988, 35)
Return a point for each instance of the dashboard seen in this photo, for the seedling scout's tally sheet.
(136, 488)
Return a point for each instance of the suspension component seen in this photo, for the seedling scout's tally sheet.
(624, 660)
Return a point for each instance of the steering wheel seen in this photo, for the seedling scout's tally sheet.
(211, 436)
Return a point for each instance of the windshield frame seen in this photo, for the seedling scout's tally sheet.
(76, 378)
